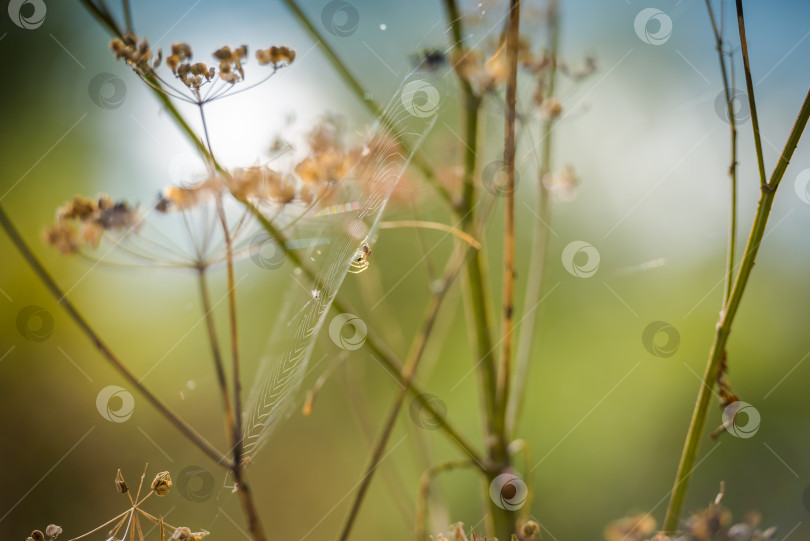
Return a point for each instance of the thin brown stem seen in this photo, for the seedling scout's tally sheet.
(219, 367)
(752, 104)
(535, 282)
(509, 271)
(409, 371)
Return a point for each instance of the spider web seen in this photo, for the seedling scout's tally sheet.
(331, 239)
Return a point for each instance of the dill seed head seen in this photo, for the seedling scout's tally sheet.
(530, 530)
(277, 56)
(93, 217)
(162, 484)
(185, 534)
(120, 484)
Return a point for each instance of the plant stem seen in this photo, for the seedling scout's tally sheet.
(767, 193)
(732, 170)
(534, 285)
(432, 225)
(749, 85)
(369, 103)
(509, 271)
(99, 344)
(409, 371)
(219, 367)
(475, 294)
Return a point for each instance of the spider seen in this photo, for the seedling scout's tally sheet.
(359, 261)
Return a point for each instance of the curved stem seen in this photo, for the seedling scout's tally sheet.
(420, 532)
(469, 239)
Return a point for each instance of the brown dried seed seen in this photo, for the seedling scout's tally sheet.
(120, 484)
(162, 483)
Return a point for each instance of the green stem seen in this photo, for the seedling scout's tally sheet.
(768, 191)
(475, 293)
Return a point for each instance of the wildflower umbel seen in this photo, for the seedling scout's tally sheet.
(195, 76)
(83, 221)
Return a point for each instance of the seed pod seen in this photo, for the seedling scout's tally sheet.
(162, 483)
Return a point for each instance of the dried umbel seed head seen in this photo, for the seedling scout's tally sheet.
(230, 63)
(277, 56)
(633, 528)
(133, 49)
(62, 236)
(185, 534)
(53, 530)
(162, 484)
(120, 484)
(529, 530)
(37, 535)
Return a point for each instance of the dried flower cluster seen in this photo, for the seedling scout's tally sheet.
(528, 530)
(711, 524)
(52, 532)
(131, 518)
(162, 483)
(194, 75)
(83, 221)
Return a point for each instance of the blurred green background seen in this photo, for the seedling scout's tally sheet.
(605, 419)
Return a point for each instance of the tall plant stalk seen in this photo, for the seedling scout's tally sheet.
(534, 286)
(723, 329)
